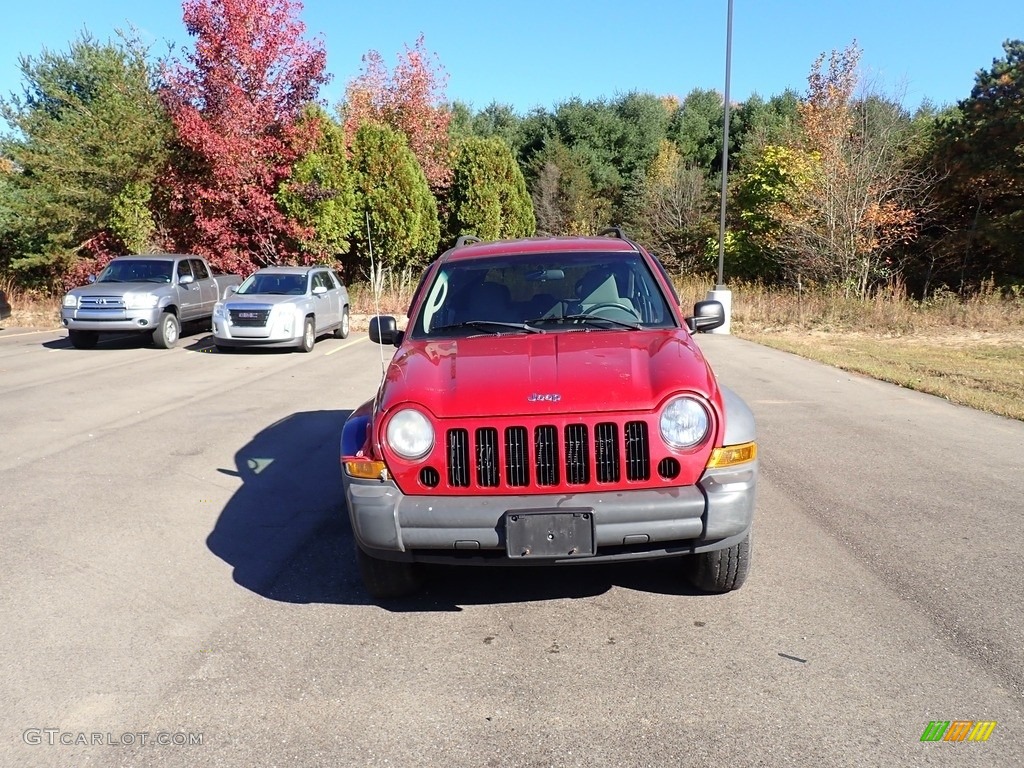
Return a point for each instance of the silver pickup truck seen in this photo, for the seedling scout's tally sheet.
(153, 294)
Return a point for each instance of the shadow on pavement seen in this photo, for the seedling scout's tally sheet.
(287, 535)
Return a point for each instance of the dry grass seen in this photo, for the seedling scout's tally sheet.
(30, 310)
(968, 351)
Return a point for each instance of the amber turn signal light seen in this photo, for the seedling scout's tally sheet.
(730, 455)
(368, 470)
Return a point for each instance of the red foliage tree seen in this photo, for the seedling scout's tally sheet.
(235, 105)
(410, 100)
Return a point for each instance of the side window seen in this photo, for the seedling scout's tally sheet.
(199, 269)
(337, 279)
(419, 287)
(664, 274)
(320, 280)
(184, 268)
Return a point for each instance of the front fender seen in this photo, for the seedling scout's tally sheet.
(356, 431)
(739, 419)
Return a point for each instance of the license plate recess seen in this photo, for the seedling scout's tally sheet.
(549, 534)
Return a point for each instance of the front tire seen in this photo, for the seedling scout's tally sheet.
(341, 332)
(722, 570)
(83, 339)
(168, 331)
(308, 335)
(385, 579)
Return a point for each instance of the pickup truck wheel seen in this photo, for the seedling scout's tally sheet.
(341, 332)
(83, 339)
(308, 336)
(385, 579)
(167, 331)
(722, 570)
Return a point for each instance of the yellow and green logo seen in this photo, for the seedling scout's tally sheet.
(958, 730)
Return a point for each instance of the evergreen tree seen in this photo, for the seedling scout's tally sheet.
(488, 196)
(90, 139)
(393, 195)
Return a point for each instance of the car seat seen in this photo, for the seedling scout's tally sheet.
(489, 301)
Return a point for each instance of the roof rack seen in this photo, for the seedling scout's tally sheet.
(617, 231)
(467, 240)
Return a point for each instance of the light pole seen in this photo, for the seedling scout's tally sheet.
(721, 293)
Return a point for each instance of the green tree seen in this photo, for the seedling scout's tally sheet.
(980, 149)
(488, 195)
(565, 201)
(696, 129)
(393, 194)
(89, 138)
(320, 193)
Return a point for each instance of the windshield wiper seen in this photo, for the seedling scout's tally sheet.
(489, 325)
(110, 280)
(584, 319)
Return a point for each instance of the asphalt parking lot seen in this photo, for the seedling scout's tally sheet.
(179, 588)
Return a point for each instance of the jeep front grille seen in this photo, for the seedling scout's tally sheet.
(546, 456)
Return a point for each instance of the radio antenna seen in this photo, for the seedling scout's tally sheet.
(376, 285)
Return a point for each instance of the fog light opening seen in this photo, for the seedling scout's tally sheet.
(668, 468)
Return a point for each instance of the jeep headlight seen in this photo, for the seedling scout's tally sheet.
(410, 434)
(70, 301)
(140, 300)
(684, 423)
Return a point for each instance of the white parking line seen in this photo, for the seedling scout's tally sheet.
(346, 345)
(27, 333)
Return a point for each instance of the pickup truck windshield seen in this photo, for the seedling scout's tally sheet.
(286, 285)
(141, 271)
(550, 293)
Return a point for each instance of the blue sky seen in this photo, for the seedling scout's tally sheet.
(530, 53)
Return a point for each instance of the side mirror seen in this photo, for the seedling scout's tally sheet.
(186, 279)
(384, 330)
(231, 289)
(319, 290)
(91, 279)
(707, 315)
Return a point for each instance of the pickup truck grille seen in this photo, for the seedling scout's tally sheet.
(101, 302)
(547, 456)
(249, 318)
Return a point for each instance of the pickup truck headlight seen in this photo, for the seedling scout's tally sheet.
(70, 301)
(140, 300)
(410, 434)
(684, 423)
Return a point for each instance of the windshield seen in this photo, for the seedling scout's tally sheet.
(137, 271)
(542, 293)
(274, 284)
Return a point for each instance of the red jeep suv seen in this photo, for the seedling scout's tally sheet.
(547, 404)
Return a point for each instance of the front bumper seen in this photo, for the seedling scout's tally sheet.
(715, 513)
(279, 333)
(114, 320)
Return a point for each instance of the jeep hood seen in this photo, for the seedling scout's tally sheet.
(575, 372)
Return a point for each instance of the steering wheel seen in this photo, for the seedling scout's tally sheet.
(595, 308)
